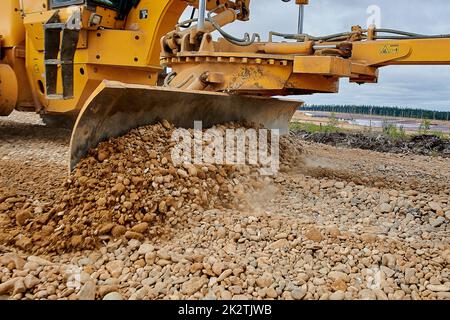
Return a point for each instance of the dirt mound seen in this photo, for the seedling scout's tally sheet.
(420, 145)
(428, 144)
(130, 187)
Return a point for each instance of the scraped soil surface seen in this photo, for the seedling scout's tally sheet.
(336, 223)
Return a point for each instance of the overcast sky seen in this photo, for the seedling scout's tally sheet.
(406, 86)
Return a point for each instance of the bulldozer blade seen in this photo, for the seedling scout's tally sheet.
(115, 108)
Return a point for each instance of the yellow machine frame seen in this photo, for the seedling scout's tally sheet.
(135, 50)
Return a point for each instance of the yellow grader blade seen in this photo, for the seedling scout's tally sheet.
(115, 108)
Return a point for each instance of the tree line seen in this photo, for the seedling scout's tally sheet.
(381, 111)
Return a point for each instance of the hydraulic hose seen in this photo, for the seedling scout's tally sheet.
(246, 41)
(392, 35)
(188, 23)
(398, 34)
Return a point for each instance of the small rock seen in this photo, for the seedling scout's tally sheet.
(339, 185)
(399, 295)
(192, 170)
(113, 296)
(150, 257)
(334, 231)
(30, 281)
(235, 290)
(119, 189)
(385, 208)
(387, 271)
(279, 244)
(439, 287)
(183, 173)
(338, 295)
(134, 235)
(105, 228)
(380, 294)
(106, 289)
(31, 266)
(265, 280)
(76, 241)
(217, 268)
(128, 205)
(410, 275)
(446, 256)
(44, 294)
(240, 297)
(271, 293)
(163, 254)
(337, 275)
(224, 275)
(437, 222)
(298, 294)
(102, 155)
(118, 231)
(226, 295)
(101, 202)
(134, 244)
(314, 234)
(434, 206)
(140, 228)
(193, 285)
(139, 294)
(145, 248)
(166, 124)
(87, 291)
(39, 261)
(443, 295)
(367, 294)
(388, 260)
(115, 268)
(368, 238)
(8, 286)
(22, 217)
(13, 258)
(339, 285)
(19, 287)
(162, 207)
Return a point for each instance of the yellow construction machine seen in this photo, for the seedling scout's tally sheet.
(118, 64)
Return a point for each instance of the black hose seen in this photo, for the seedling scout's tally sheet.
(168, 79)
(395, 35)
(246, 41)
(411, 35)
(188, 23)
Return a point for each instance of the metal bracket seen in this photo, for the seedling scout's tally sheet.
(60, 52)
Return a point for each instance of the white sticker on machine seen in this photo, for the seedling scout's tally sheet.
(143, 14)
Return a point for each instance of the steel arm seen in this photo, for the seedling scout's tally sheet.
(402, 52)
(309, 65)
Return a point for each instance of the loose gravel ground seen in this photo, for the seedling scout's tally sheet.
(340, 224)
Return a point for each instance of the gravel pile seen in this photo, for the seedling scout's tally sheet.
(129, 187)
(353, 243)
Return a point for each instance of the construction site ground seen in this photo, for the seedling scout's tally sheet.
(343, 224)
